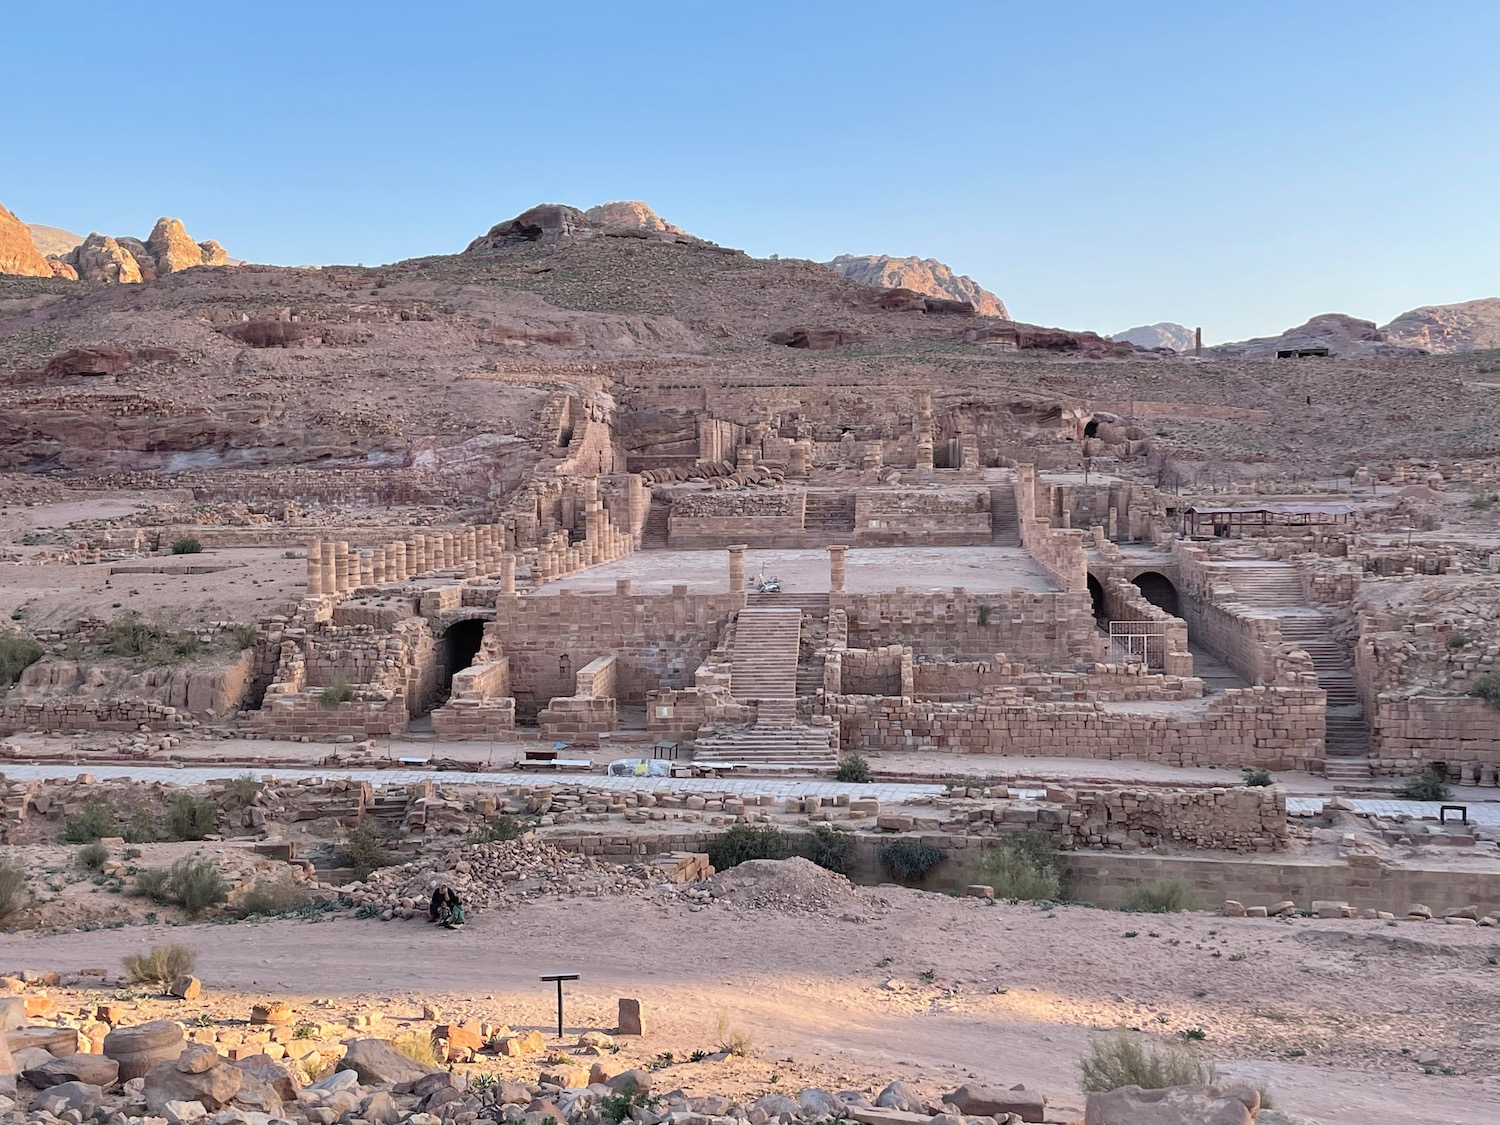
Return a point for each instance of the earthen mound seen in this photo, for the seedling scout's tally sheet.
(795, 885)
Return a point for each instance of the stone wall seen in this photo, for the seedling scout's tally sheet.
(658, 640)
(1060, 553)
(1413, 732)
(1278, 728)
(881, 671)
(1123, 601)
(756, 517)
(932, 519)
(1045, 630)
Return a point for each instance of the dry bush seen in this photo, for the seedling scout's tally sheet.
(1128, 1060)
(13, 893)
(416, 1047)
(160, 965)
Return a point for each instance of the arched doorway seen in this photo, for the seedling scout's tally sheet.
(1096, 596)
(1158, 590)
(458, 648)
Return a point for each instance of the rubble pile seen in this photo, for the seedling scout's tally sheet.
(794, 885)
(497, 876)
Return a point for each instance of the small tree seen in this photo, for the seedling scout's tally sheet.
(186, 546)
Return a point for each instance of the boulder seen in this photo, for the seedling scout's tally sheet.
(461, 1035)
(197, 1058)
(525, 1043)
(95, 1070)
(565, 1077)
(12, 1013)
(879, 1116)
(1176, 1105)
(183, 1113)
(985, 1101)
(820, 1104)
(898, 1095)
(380, 1109)
(633, 1081)
(82, 1096)
(28, 1058)
(378, 1063)
(187, 988)
(139, 1049)
(57, 1041)
(215, 1087)
(776, 1105)
(335, 1082)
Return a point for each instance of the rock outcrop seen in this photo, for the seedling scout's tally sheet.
(1468, 326)
(1163, 335)
(18, 251)
(924, 275)
(125, 260)
(102, 258)
(1345, 337)
(172, 249)
(630, 215)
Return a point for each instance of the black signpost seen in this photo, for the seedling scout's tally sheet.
(559, 978)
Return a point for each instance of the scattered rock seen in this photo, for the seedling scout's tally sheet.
(378, 1063)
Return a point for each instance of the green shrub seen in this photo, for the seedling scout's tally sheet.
(186, 546)
(13, 893)
(984, 613)
(503, 827)
(90, 823)
(191, 819)
(615, 1108)
(195, 884)
(1169, 896)
(853, 768)
(1127, 1060)
(1482, 501)
(245, 636)
(1016, 876)
(269, 899)
(247, 787)
(17, 653)
(831, 848)
(130, 636)
(1257, 776)
(160, 965)
(906, 858)
(1430, 786)
(1457, 641)
(142, 828)
(745, 842)
(92, 857)
(365, 850)
(151, 882)
(339, 690)
(1487, 688)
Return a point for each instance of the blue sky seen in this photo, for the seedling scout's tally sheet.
(1099, 165)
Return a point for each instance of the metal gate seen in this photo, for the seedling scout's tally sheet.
(1139, 642)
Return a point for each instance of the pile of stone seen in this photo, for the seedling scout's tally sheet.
(797, 886)
(1330, 908)
(497, 876)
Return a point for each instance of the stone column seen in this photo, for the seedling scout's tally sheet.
(836, 569)
(924, 454)
(507, 575)
(329, 585)
(798, 459)
(737, 568)
(622, 587)
(367, 568)
(340, 567)
(379, 565)
(315, 568)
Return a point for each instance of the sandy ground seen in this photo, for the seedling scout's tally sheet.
(1002, 994)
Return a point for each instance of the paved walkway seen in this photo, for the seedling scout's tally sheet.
(1486, 815)
(775, 786)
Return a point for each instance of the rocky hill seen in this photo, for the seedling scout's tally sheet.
(921, 275)
(630, 215)
(53, 241)
(1345, 337)
(1163, 335)
(1468, 326)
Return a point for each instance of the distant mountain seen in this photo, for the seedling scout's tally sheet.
(54, 242)
(922, 275)
(1163, 335)
(1468, 326)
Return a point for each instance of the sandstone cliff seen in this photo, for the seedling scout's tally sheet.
(923, 275)
(1468, 326)
(18, 252)
(551, 224)
(1163, 335)
(630, 215)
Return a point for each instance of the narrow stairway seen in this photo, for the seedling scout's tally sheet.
(763, 664)
(1005, 529)
(654, 529)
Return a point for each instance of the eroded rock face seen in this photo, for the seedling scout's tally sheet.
(1468, 326)
(923, 275)
(816, 338)
(630, 215)
(173, 250)
(18, 252)
(546, 225)
(101, 258)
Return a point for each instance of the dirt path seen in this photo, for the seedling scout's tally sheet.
(814, 988)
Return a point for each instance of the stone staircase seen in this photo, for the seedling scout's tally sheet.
(763, 663)
(815, 604)
(829, 511)
(803, 746)
(1271, 585)
(654, 529)
(1005, 528)
(1346, 739)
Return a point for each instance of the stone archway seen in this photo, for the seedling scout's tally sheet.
(1157, 589)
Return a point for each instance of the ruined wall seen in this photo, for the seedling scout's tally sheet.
(757, 517)
(659, 640)
(1278, 728)
(1046, 630)
(1409, 734)
(1123, 601)
(883, 671)
(894, 519)
(1060, 553)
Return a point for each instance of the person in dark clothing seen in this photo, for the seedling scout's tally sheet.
(446, 908)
